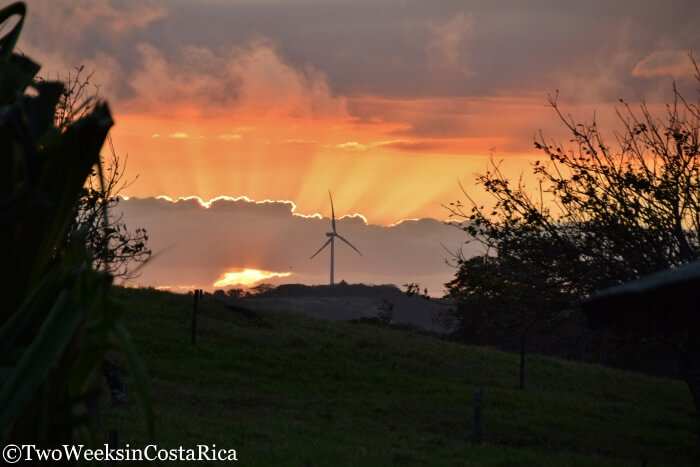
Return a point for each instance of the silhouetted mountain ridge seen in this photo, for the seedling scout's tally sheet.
(337, 290)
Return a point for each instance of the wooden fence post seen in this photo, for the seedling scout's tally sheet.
(197, 293)
(478, 408)
(522, 362)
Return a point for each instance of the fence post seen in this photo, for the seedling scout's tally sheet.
(522, 362)
(478, 407)
(194, 315)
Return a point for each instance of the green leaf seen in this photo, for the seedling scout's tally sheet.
(139, 375)
(42, 354)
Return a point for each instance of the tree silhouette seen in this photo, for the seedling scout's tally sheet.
(603, 214)
(125, 249)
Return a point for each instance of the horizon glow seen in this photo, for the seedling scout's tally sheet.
(247, 277)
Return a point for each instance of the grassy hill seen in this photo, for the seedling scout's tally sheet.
(291, 390)
(345, 302)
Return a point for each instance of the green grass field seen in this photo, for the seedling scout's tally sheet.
(289, 390)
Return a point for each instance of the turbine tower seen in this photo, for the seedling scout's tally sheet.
(331, 239)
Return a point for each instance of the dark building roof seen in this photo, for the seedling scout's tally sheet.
(667, 301)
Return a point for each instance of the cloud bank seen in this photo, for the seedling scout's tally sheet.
(197, 245)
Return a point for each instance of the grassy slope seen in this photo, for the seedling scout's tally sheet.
(292, 390)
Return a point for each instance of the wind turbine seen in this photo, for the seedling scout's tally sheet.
(331, 239)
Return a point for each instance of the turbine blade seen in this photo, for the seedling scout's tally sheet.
(320, 249)
(351, 245)
(332, 210)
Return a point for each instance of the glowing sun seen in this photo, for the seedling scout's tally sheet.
(247, 277)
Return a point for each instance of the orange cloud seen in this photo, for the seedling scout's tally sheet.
(373, 165)
(55, 34)
(230, 137)
(236, 107)
(674, 63)
(250, 78)
(351, 146)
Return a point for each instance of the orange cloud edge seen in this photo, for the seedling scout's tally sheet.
(293, 206)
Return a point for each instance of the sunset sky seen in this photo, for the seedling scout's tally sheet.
(386, 103)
